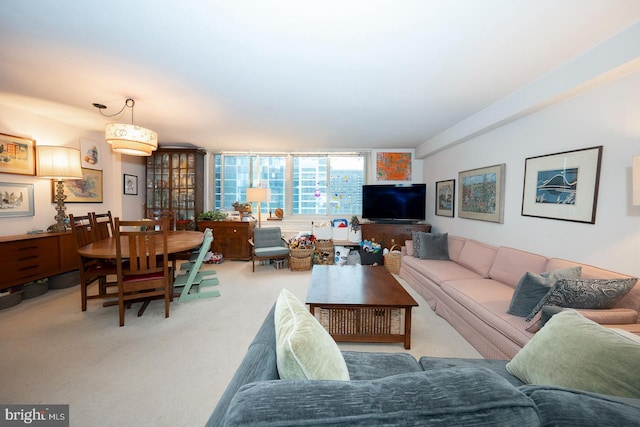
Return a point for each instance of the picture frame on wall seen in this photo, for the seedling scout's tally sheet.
(481, 193)
(393, 166)
(445, 197)
(90, 154)
(17, 155)
(85, 190)
(16, 200)
(130, 184)
(563, 186)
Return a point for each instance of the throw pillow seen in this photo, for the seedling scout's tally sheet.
(574, 352)
(585, 293)
(415, 238)
(434, 246)
(533, 287)
(409, 245)
(304, 349)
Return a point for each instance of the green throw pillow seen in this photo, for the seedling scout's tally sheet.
(434, 246)
(574, 352)
(533, 287)
(304, 349)
(585, 293)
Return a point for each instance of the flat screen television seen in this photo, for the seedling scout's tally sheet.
(394, 203)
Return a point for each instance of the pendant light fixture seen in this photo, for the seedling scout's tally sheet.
(128, 138)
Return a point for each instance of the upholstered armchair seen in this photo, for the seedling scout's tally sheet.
(267, 243)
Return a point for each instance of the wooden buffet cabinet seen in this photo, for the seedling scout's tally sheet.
(389, 234)
(230, 238)
(28, 257)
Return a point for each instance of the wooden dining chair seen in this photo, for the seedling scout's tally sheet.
(91, 269)
(102, 224)
(147, 275)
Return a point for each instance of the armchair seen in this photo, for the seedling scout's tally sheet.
(267, 243)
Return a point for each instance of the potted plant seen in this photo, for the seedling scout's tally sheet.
(216, 215)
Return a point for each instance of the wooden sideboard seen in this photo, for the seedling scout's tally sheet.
(391, 234)
(28, 257)
(230, 238)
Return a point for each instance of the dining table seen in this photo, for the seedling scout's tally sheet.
(177, 241)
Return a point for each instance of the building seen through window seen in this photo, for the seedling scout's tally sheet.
(301, 185)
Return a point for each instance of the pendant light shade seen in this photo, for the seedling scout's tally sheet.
(130, 139)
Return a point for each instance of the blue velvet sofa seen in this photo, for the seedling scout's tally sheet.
(396, 389)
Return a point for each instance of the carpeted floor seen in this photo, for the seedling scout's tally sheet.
(157, 371)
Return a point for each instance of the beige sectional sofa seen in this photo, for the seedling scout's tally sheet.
(473, 289)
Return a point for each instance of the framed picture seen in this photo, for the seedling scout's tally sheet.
(393, 166)
(481, 193)
(17, 155)
(16, 199)
(90, 154)
(563, 186)
(130, 184)
(445, 197)
(85, 190)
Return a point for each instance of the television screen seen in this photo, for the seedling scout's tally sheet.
(394, 203)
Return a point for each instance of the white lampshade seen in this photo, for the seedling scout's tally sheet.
(130, 139)
(258, 194)
(58, 162)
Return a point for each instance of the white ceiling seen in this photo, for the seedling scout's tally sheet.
(290, 75)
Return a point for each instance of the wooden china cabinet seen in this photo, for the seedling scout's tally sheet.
(175, 183)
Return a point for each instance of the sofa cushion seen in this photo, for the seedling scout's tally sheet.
(415, 239)
(304, 349)
(511, 264)
(434, 246)
(408, 245)
(608, 316)
(478, 257)
(533, 287)
(496, 366)
(574, 352)
(373, 365)
(585, 293)
(439, 397)
(456, 244)
(561, 406)
(439, 271)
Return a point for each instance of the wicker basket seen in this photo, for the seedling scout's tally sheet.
(300, 264)
(393, 260)
(301, 253)
(324, 252)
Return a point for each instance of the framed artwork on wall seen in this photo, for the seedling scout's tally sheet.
(481, 193)
(90, 154)
(16, 200)
(85, 190)
(17, 155)
(130, 184)
(563, 186)
(393, 166)
(445, 197)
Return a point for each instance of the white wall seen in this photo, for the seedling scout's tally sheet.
(608, 115)
(50, 132)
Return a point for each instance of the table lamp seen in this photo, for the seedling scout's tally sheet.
(58, 163)
(258, 194)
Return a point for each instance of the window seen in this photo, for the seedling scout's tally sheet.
(328, 184)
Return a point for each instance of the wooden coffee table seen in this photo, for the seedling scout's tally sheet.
(361, 303)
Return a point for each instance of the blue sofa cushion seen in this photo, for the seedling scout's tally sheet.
(371, 366)
(561, 406)
(497, 366)
(440, 397)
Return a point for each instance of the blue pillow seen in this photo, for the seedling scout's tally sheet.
(533, 287)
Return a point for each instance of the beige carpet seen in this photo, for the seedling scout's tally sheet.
(157, 371)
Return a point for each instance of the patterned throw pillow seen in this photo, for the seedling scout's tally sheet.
(585, 293)
(415, 237)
